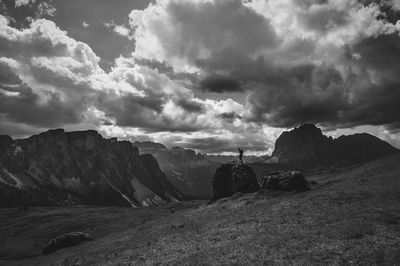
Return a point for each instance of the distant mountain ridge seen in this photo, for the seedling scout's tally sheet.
(187, 170)
(81, 167)
(306, 146)
(246, 158)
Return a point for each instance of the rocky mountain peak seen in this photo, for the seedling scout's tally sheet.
(308, 128)
(306, 132)
(306, 146)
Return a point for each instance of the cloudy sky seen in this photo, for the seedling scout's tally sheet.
(204, 74)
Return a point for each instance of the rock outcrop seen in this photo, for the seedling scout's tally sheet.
(306, 147)
(66, 240)
(285, 181)
(232, 178)
(67, 168)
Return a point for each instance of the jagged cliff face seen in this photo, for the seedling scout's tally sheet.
(60, 168)
(191, 173)
(307, 147)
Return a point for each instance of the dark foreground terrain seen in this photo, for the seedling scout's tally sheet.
(352, 216)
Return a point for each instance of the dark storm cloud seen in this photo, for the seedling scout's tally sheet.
(7, 76)
(229, 116)
(341, 92)
(25, 108)
(190, 106)
(322, 18)
(306, 94)
(19, 104)
(185, 31)
(131, 110)
(377, 95)
(389, 11)
(285, 96)
(146, 113)
(219, 84)
(369, 95)
(196, 17)
(381, 54)
(379, 105)
(170, 125)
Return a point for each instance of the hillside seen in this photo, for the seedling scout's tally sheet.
(306, 147)
(69, 168)
(350, 217)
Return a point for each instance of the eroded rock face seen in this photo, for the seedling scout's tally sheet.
(305, 147)
(66, 240)
(285, 181)
(234, 177)
(68, 168)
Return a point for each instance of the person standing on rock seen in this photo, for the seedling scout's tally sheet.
(240, 155)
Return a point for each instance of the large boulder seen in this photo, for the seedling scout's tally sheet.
(233, 177)
(286, 181)
(66, 240)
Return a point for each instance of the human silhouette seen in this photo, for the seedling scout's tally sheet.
(240, 155)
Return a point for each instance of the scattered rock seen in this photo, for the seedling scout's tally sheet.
(231, 178)
(287, 181)
(66, 240)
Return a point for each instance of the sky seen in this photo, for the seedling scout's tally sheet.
(209, 75)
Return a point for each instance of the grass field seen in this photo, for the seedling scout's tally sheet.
(352, 216)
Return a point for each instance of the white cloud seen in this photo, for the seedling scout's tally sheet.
(118, 29)
(294, 60)
(182, 32)
(46, 8)
(132, 98)
(122, 30)
(85, 24)
(19, 3)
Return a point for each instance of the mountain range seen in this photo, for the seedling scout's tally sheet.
(70, 168)
(82, 167)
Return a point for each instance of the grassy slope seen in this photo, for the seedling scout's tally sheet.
(352, 216)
